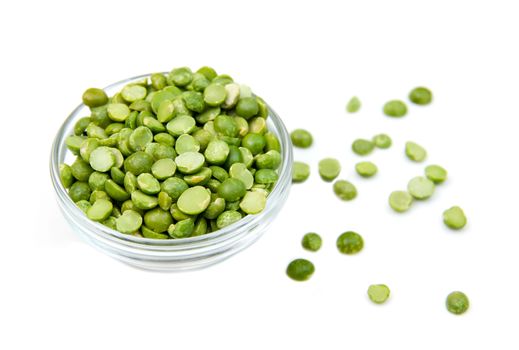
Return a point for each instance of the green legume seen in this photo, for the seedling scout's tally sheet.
(186, 143)
(457, 303)
(436, 173)
(300, 172)
(265, 176)
(395, 108)
(164, 200)
(87, 147)
(415, 152)
(362, 147)
(118, 112)
(254, 143)
(180, 76)
(366, 169)
(253, 202)
(98, 194)
(194, 200)
(271, 142)
(144, 201)
(247, 107)
(148, 233)
(132, 93)
(84, 205)
(420, 187)
(312, 242)
(163, 168)
(181, 124)
(216, 152)
(65, 174)
(200, 227)
(227, 218)
(300, 270)
(420, 96)
(353, 105)
(329, 169)
(345, 190)
(378, 293)
(454, 218)
(102, 159)
(194, 101)
(94, 97)
(81, 170)
(148, 184)
(207, 72)
(115, 191)
(215, 208)
(190, 162)
(81, 125)
(129, 222)
(100, 210)
(79, 191)
(400, 201)
(174, 187)
(182, 229)
(138, 163)
(232, 190)
(97, 180)
(214, 95)
(301, 138)
(158, 220)
(246, 156)
(239, 171)
(382, 141)
(350, 243)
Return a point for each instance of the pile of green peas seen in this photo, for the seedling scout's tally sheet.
(173, 156)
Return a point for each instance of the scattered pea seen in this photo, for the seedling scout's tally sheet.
(457, 303)
(300, 270)
(94, 97)
(100, 210)
(312, 242)
(253, 202)
(301, 138)
(366, 169)
(353, 105)
(362, 147)
(378, 293)
(420, 187)
(436, 173)
(350, 243)
(415, 152)
(400, 201)
(300, 172)
(454, 218)
(129, 222)
(345, 190)
(194, 200)
(329, 169)
(395, 108)
(382, 141)
(420, 96)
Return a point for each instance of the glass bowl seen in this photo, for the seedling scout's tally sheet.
(174, 254)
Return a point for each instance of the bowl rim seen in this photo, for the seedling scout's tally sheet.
(228, 232)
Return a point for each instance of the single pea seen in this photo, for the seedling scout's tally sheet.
(138, 163)
(79, 191)
(254, 143)
(118, 112)
(158, 220)
(415, 152)
(265, 176)
(225, 125)
(81, 125)
(83, 205)
(163, 168)
(207, 72)
(208, 115)
(160, 151)
(247, 107)
(81, 170)
(129, 205)
(194, 101)
(329, 169)
(420, 187)
(366, 169)
(353, 105)
(258, 125)
(436, 173)
(194, 200)
(158, 81)
(186, 143)
(233, 94)
(454, 218)
(130, 182)
(98, 194)
(378, 293)
(129, 222)
(215, 208)
(239, 171)
(232, 190)
(219, 173)
(300, 172)
(350, 243)
(115, 191)
(189, 162)
(102, 159)
(269, 160)
(100, 210)
(174, 187)
(74, 143)
(96, 131)
(300, 270)
(253, 202)
(362, 147)
(214, 95)
(182, 229)
(87, 147)
(164, 200)
(180, 76)
(272, 142)
(301, 138)
(148, 184)
(181, 124)
(134, 92)
(149, 233)
(246, 156)
(202, 137)
(139, 106)
(400, 201)
(94, 97)
(166, 111)
(420, 96)
(312, 242)
(345, 190)
(216, 152)
(153, 124)
(144, 201)
(382, 141)
(227, 218)
(457, 303)
(395, 108)
(160, 97)
(99, 116)
(65, 174)
(97, 180)
(200, 227)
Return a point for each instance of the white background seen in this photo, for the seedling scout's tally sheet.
(306, 59)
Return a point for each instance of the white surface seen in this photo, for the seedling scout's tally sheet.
(307, 60)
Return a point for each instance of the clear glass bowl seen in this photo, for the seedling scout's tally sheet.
(175, 254)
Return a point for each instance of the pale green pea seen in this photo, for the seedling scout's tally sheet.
(74, 143)
(378, 293)
(153, 124)
(216, 152)
(345, 190)
(194, 200)
(301, 138)
(382, 141)
(268, 160)
(181, 124)
(215, 94)
(203, 137)
(96, 131)
(353, 105)
(415, 152)
(420, 187)
(329, 168)
(97, 180)
(208, 115)
(457, 303)
(115, 191)
(118, 112)
(148, 184)
(265, 176)
(200, 227)
(157, 219)
(140, 138)
(272, 142)
(111, 222)
(258, 125)
(215, 208)
(400, 201)
(300, 172)
(144, 201)
(148, 233)
(165, 139)
(100, 210)
(232, 91)
(182, 229)
(180, 76)
(436, 173)
(129, 222)
(81, 170)
(132, 93)
(366, 169)
(227, 218)
(87, 147)
(219, 173)
(98, 194)
(454, 218)
(174, 187)
(102, 159)
(239, 171)
(65, 175)
(189, 162)
(130, 182)
(420, 96)
(312, 242)
(186, 143)
(362, 147)
(84, 205)
(163, 168)
(395, 108)
(199, 178)
(164, 200)
(79, 191)
(253, 202)
(246, 156)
